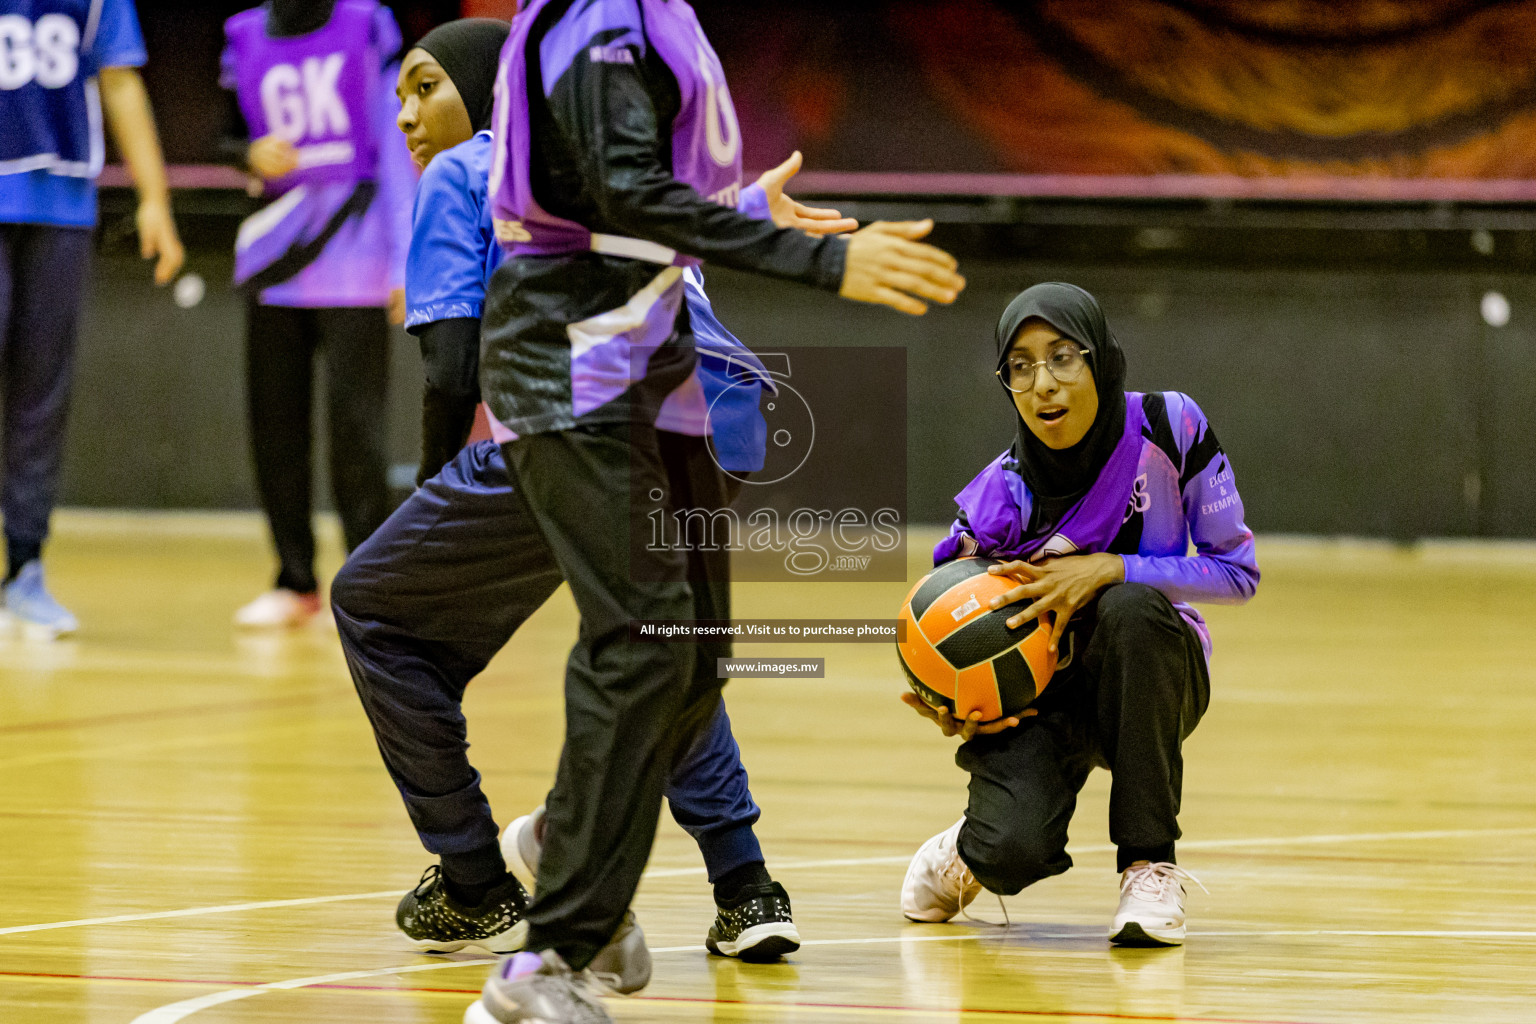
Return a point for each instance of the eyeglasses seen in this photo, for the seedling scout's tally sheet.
(1065, 364)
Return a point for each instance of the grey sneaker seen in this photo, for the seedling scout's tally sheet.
(521, 845)
(625, 963)
(538, 988)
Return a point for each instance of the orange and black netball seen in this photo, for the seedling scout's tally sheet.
(961, 655)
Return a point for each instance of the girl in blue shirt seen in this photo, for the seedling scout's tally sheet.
(66, 61)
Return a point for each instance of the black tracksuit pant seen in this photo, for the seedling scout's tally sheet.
(1135, 690)
(281, 346)
(631, 709)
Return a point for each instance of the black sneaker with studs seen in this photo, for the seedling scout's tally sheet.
(757, 926)
(437, 923)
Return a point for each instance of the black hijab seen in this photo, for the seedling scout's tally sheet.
(469, 50)
(297, 17)
(1059, 478)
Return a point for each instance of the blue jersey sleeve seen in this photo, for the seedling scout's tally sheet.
(118, 42)
(451, 241)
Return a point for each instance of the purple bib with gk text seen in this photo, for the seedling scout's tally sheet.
(314, 90)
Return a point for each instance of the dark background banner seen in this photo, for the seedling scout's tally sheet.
(1405, 89)
(1396, 88)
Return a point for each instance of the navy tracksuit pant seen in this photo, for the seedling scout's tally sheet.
(425, 603)
(42, 277)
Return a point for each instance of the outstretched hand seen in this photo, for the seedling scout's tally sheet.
(1057, 585)
(789, 213)
(967, 727)
(888, 266)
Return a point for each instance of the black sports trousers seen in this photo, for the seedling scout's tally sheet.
(1135, 691)
(281, 345)
(631, 709)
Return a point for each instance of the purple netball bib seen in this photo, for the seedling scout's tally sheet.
(706, 140)
(313, 90)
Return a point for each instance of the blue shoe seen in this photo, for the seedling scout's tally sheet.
(28, 601)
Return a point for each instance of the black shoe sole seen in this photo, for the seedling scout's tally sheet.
(1133, 935)
(774, 947)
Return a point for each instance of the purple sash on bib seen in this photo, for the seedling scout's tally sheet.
(996, 506)
(282, 238)
(706, 140)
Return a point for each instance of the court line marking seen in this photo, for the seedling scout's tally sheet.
(173, 1013)
(229, 908)
(182, 743)
(474, 959)
(235, 908)
(804, 865)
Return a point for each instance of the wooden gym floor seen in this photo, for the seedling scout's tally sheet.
(196, 826)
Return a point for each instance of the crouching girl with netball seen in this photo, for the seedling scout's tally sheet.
(1093, 510)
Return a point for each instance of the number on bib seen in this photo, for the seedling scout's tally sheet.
(721, 129)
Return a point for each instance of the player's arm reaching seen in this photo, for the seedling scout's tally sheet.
(606, 110)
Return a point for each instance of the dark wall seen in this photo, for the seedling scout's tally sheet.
(1349, 402)
(158, 415)
(1367, 397)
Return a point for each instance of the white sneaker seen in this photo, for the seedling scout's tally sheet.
(27, 600)
(278, 609)
(521, 845)
(938, 884)
(1151, 905)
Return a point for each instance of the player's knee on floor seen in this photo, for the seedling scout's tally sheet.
(1005, 861)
